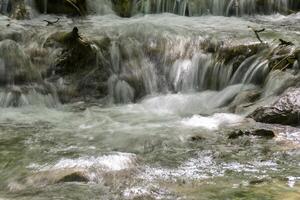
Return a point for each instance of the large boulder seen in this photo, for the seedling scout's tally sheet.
(77, 54)
(81, 66)
(286, 110)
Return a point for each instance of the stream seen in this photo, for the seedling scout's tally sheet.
(170, 142)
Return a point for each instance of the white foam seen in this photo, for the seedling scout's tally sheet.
(213, 122)
(86, 126)
(292, 181)
(114, 162)
(135, 191)
(202, 167)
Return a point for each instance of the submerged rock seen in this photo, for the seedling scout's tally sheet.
(73, 177)
(266, 133)
(58, 176)
(286, 110)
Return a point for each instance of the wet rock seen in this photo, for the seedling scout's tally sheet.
(259, 181)
(12, 70)
(197, 138)
(77, 54)
(19, 10)
(57, 176)
(31, 94)
(297, 55)
(256, 132)
(285, 111)
(82, 64)
(227, 53)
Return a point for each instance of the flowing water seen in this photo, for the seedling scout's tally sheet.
(162, 131)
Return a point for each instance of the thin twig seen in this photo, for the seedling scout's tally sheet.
(285, 43)
(256, 33)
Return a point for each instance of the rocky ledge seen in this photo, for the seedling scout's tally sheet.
(285, 111)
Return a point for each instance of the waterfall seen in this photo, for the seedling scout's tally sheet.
(45, 6)
(215, 7)
(99, 6)
(4, 6)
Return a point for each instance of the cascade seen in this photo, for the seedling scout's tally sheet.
(99, 6)
(4, 6)
(45, 6)
(176, 69)
(158, 98)
(214, 7)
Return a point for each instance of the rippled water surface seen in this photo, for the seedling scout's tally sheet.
(140, 150)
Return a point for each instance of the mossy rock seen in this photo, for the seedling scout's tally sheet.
(18, 10)
(123, 7)
(228, 53)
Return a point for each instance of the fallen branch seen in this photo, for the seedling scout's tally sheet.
(50, 23)
(285, 43)
(256, 33)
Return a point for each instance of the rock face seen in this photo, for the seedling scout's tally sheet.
(286, 110)
(71, 7)
(19, 10)
(80, 65)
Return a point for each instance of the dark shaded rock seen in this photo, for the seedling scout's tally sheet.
(197, 138)
(70, 7)
(286, 110)
(123, 7)
(256, 132)
(77, 55)
(74, 177)
(82, 64)
(259, 181)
